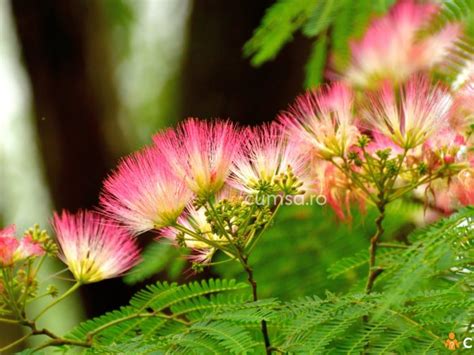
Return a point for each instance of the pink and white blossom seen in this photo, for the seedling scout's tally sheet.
(28, 248)
(93, 247)
(410, 115)
(8, 245)
(462, 112)
(324, 119)
(201, 153)
(13, 250)
(338, 190)
(143, 193)
(266, 154)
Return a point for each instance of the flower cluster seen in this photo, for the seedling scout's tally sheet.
(204, 185)
(13, 250)
(17, 260)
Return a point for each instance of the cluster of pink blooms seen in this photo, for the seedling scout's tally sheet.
(315, 144)
(200, 160)
(13, 250)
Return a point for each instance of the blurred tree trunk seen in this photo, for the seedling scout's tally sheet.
(65, 50)
(219, 82)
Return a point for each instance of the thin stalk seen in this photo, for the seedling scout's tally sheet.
(40, 264)
(415, 323)
(356, 180)
(253, 284)
(373, 271)
(10, 300)
(368, 159)
(197, 236)
(8, 321)
(399, 169)
(29, 277)
(219, 223)
(105, 326)
(224, 232)
(403, 190)
(247, 220)
(62, 341)
(255, 239)
(55, 340)
(59, 299)
(392, 245)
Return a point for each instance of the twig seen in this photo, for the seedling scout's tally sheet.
(392, 245)
(59, 299)
(373, 271)
(253, 283)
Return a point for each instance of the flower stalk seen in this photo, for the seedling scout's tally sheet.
(375, 271)
(248, 269)
(65, 295)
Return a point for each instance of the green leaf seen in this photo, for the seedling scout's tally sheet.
(322, 16)
(316, 63)
(276, 29)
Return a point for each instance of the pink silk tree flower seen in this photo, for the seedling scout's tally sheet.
(464, 185)
(337, 189)
(143, 193)
(93, 247)
(201, 153)
(323, 119)
(266, 154)
(446, 145)
(28, 248)
(8, 245)
(13, 250)
(449, 196)
(462, 112)
(410, 118)
(392, 48)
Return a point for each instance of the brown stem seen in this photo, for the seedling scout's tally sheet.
(374, 272)
(253, 283)
(55, 340)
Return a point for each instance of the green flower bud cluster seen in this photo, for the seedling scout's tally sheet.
(43, 238)
(231, 213)
(288, 183)
(26, 282)
(240, 219)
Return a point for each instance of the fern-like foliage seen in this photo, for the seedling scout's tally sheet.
(426, 291)
(162, 309)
